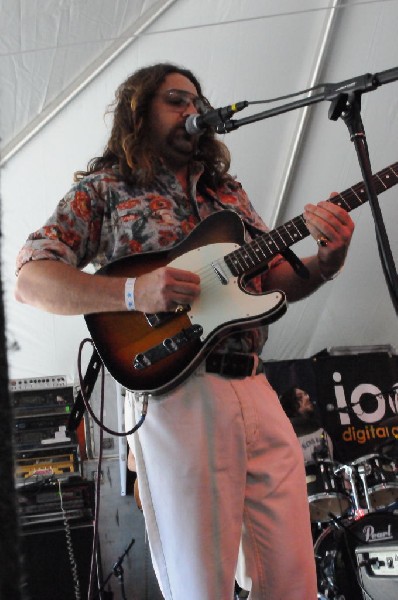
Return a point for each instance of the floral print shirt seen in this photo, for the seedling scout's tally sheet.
(103, 218)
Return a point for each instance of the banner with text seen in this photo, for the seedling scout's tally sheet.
(353, 394)
(358, 402)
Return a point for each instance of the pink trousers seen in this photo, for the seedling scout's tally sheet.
(221, 476)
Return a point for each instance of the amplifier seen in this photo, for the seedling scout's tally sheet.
(40, 432)
(38, 383)
(378, 570)
(43, 446)
(46, 461)
(37, 402)
(58, 464)
(45, 453)
(40, 502)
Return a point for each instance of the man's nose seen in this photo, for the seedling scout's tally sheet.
(190, 109)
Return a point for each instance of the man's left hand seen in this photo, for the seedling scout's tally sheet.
(332, 227)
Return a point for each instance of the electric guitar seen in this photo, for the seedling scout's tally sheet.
(155, 352)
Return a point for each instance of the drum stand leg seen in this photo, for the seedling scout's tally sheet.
(362, 474)
(348, 472)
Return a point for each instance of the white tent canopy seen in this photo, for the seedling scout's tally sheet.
(60, 63)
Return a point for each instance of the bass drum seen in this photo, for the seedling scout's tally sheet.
(336, 561)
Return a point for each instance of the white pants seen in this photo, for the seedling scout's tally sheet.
(218, 464)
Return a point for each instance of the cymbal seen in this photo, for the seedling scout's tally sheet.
(390, 422)
(388, 446)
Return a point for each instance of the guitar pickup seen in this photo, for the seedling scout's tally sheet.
(157, 319)
(169, 345)
(220, 273)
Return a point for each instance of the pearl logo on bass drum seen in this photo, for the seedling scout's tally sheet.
(376, 536)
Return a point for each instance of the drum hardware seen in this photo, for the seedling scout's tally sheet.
(349, 477)
(326, 493)
(379, 482)
(325, 563)
(357, 553)
(362, 475)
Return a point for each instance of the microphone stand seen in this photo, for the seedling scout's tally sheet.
(349, 108)
(346, 103)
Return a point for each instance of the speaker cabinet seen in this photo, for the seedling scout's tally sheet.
(48, 566)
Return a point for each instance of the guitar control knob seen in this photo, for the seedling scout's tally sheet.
(141, 361)
(170, 345)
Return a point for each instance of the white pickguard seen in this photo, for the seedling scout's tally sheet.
(218, 303)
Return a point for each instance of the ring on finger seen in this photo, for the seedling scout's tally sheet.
(180, 308)
(322, 240)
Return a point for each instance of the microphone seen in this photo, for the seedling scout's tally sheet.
(332, 408)
(213, 118)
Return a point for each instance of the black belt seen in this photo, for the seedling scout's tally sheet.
(234, 364)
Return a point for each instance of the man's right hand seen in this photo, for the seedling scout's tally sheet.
(165, 289)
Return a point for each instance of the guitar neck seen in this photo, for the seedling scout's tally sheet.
(256, 254)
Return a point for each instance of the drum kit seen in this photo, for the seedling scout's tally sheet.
(354, 515)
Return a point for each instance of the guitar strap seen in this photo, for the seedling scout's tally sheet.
(89, 380)
(297, 265)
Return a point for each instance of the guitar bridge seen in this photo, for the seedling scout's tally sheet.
(143, 360)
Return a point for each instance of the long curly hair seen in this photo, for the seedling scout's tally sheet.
(290, 402)
(128, 145)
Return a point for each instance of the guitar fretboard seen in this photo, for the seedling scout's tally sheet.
(258, 252)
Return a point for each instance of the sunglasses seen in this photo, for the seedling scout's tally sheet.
(180, 100)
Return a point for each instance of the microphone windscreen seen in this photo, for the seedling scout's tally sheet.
(191, 126)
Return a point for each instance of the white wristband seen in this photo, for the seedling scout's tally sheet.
(129, 293)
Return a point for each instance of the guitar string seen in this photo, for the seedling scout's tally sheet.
(248, 258)
(248, 255)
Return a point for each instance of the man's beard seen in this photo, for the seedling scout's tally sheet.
(177, 148)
